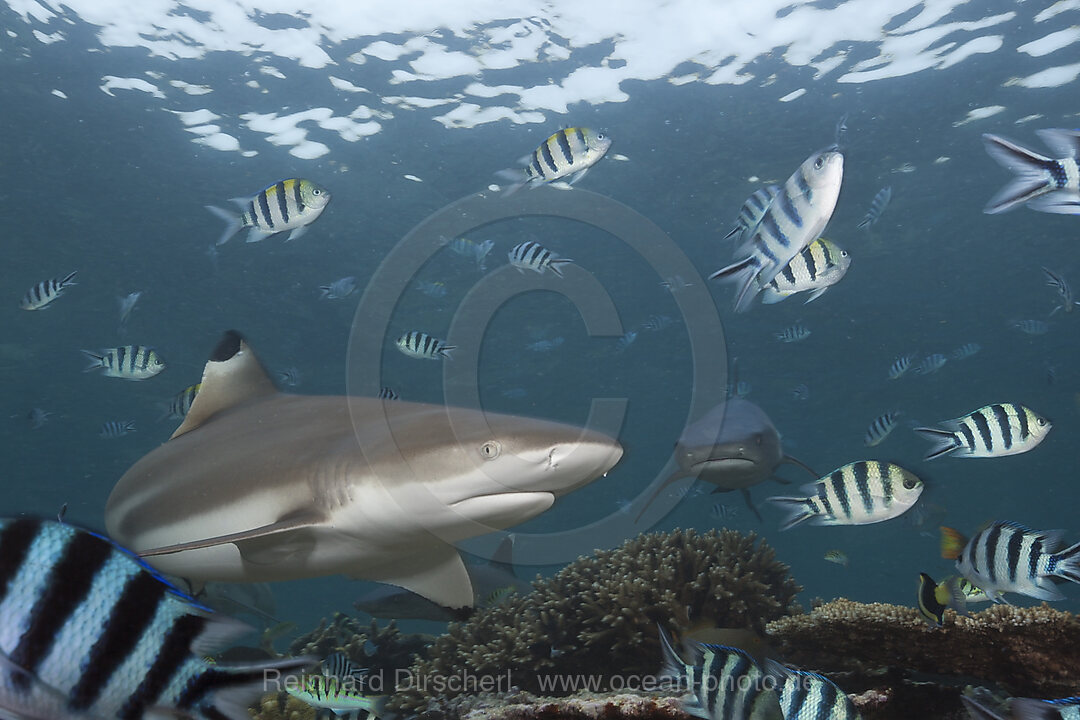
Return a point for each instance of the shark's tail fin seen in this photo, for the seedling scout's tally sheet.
(1033, 174)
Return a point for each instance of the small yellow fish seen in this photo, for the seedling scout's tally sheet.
(837, 556)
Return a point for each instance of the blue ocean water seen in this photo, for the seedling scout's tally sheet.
(109, 183)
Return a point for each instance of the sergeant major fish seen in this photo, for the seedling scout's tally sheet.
(339, 289)
(859, 493)
(291, 204)
(91, 632)
(569, 152)
(991, 431)
(177, 408)
(337, 695)
(807, 695)
(880, 202)
(534, 256)
(796, 217)
(117, 428)
(795, 333)
(931, 364)
(901, 365)
(46, 291)
(1042, 183)
(1063, 290)
(880, 428)
(421, 345)
(130, 362)
(1008, 557)
(819, 266)
(751, 213)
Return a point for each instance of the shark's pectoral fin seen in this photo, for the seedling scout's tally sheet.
(248, 538)
(799, 463)
(270, 550)
(777, 478)
(750, 504)
(437, 574)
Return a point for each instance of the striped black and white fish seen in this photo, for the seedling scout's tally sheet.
(808, 696)
(340, 666)
(534, 256)
(795, 333)
(1042, 183)
(991, 431)
(721, 683)
(568, 153)
(877, 206)
(796, 217)
(130, 362)
(819, 266)
(931, 364)
(91, 632)
(117, 428)
(901, 365)
(291, 204)
(880, 428)
(1035, 709)
(421, 345)
(177, 408)
(859, 493)
(46, 291)
(966, 350)
(1008, 557)
(388, 393)
(1063, 290)
(1032, 327)
(751, 213)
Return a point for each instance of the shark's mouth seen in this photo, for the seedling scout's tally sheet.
(504, 509)
(724, 462)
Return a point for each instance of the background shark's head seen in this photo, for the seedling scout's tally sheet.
(733, 445)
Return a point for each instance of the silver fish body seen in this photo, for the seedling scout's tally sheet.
(91, 632)
(1008, 557)
(816, 268)
(808, 696)
(534, 256)
(46, 291)
(569, 152)
(1042, 183)
(931, 364)
(859, 493)
(901, 365)
(753, 209)
(130, 362)
(796, 217)
(291, 204)
(880, 428)
(991, 431)
(339, 289)
(117, 428)
(421, 345)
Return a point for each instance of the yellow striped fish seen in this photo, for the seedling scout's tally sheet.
(130, 362)
(338, 695)
(819, 266)
(569, 152)
(178, 407)
(291, 204)
(795, 218)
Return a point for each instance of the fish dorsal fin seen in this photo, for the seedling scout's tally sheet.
(233, 376)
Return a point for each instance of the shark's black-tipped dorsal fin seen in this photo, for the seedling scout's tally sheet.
(233, 376)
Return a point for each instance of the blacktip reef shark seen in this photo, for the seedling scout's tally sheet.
(259, 486)
(734, 446)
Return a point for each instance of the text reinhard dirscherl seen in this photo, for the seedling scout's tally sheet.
(468, 682)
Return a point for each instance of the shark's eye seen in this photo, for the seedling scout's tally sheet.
(490, 450)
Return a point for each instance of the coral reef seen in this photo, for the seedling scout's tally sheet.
(282, 706)
(1030, 651)
(383, 651)
(598, 616)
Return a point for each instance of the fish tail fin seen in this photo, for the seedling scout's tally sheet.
(1067, 563)
(517, 179)
(746, 272)
(674, 667)
(556, 262)
(445, 351)
(799, 510)
(1031, 173)
(232, 223)
(865, 223)
(69, 280)
(237, 686)
(952, 543)
(944, 441)
(95, 360)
